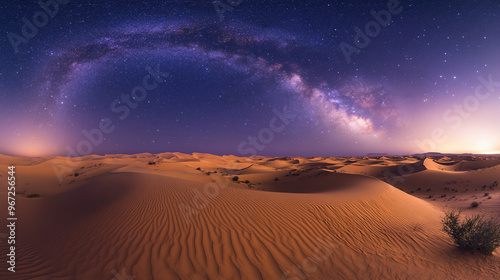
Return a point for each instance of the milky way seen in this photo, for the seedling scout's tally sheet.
(253, 51)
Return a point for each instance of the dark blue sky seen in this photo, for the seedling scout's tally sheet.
(270, 77)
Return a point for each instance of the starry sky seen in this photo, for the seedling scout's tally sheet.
(294, 78)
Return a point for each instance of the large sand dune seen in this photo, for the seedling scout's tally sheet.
(178, 216)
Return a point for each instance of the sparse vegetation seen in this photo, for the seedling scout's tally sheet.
(486, 194)
(76, 174)
(236, 178)
(247, 182)
(151, 162)
(198, 168)
(475, 233)
(33, 195)
(474, 204)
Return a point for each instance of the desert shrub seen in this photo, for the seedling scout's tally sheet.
(198, 168)
(247, 182)
(236, 178)
(474, 204)
(486, 194)
(474, 233)
(151, 162)
(33, 195)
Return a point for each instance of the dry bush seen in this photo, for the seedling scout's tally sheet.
(474, 233)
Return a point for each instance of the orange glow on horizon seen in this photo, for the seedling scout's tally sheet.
(32, 147)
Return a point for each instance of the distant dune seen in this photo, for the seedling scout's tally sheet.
(201, 216)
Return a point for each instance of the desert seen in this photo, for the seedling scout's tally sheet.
(237, 139)
(202, 216)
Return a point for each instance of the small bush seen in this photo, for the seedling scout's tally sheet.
(151, 163)
(33, 195)
(76, 174)
(236, 178)
(198, 168)
(474, 204)
(486, 194)
(247, 182)
(474, 234)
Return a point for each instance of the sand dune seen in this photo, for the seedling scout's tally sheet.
(460, 165)
(177, 216)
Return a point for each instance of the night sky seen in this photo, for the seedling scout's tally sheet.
(263, 77)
